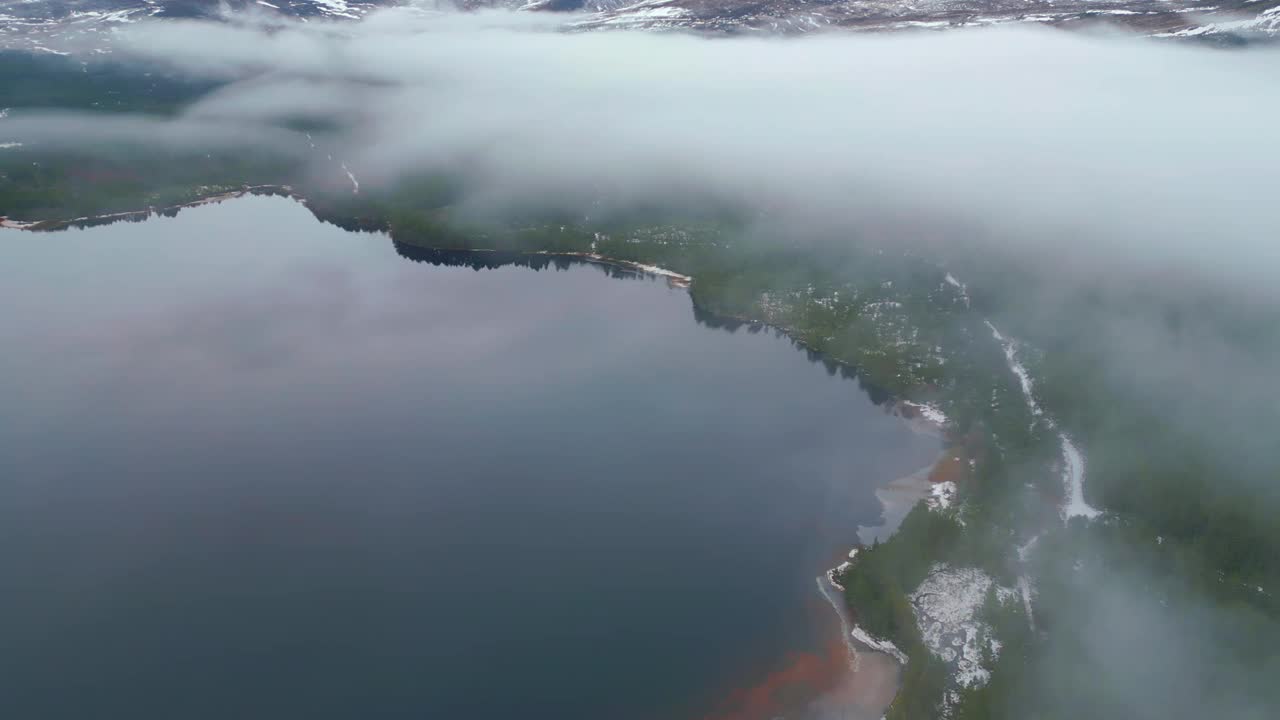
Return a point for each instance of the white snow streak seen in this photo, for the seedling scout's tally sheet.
(1074, 504)
(877, 644)
(928, 413)
(355, 184)
(1024, 377)
(1024, 589)
(337, 7)
(1073, 474)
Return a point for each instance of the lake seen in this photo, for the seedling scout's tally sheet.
(252, 465)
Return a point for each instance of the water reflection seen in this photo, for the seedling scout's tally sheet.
(491, 260)
(252, 464)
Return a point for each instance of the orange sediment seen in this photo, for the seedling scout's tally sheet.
(952, 467)
(801, 679)
(835, 680)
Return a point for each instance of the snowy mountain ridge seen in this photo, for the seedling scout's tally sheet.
(56, 25)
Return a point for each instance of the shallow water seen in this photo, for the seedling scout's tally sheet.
(254, 465)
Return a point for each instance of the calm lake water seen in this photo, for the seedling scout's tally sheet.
(252, 465)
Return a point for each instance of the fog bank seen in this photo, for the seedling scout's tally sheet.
(1131, 151)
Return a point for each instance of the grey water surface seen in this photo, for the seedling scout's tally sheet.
(252, 465)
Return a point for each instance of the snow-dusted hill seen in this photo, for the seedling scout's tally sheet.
(109, 11)
(1153, 17)
(57, 25)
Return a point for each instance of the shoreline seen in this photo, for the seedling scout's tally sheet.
(874, 677)
(674, 279)
(139, 215)
(859, 641)
(919, 416)
(897, 499)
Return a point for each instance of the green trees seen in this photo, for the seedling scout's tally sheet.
(876, 587)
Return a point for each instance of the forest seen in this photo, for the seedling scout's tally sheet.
(1182, 457)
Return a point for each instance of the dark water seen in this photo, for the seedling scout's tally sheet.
(255, 466)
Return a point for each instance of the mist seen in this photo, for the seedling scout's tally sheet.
(1110, 154)
(90, 132)
(1087, 160)
(1095, 159)
(1119, 150)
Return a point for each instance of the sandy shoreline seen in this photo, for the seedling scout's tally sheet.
(875, 670)
(876, 665)
(897, 499)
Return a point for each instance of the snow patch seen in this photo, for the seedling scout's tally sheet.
(1266, 23)
(964, 290)
(947, 607)
(927, 412)
(355, 184)
(933, 414)
(337, 7)
(1024, 378)
(836, 571)
(1073, 463)
(877, 644)
(1027, 591)
(1073, 474)
(1024, 550)
(942, 495)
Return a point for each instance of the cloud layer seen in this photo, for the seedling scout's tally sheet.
(1111, 146)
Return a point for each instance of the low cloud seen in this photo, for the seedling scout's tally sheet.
(1102, 157)
(1101, 160)
(1104, 149)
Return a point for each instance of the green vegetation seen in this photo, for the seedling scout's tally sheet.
(876, 589)
(1190, 514)
(38, 184)
(44, 80)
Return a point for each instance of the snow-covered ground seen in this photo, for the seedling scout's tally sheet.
(57, 27)
(896, 500)
(1024, 378)
(942, 495)
(661, 271)
(851, 630)
(1073, 475)
(1073, 464)
(877, 644)
(355, 184)
(947, 607)
(337, 8)
(928, 412)
(1267, 23)
(964, 291)
(1027, 592)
